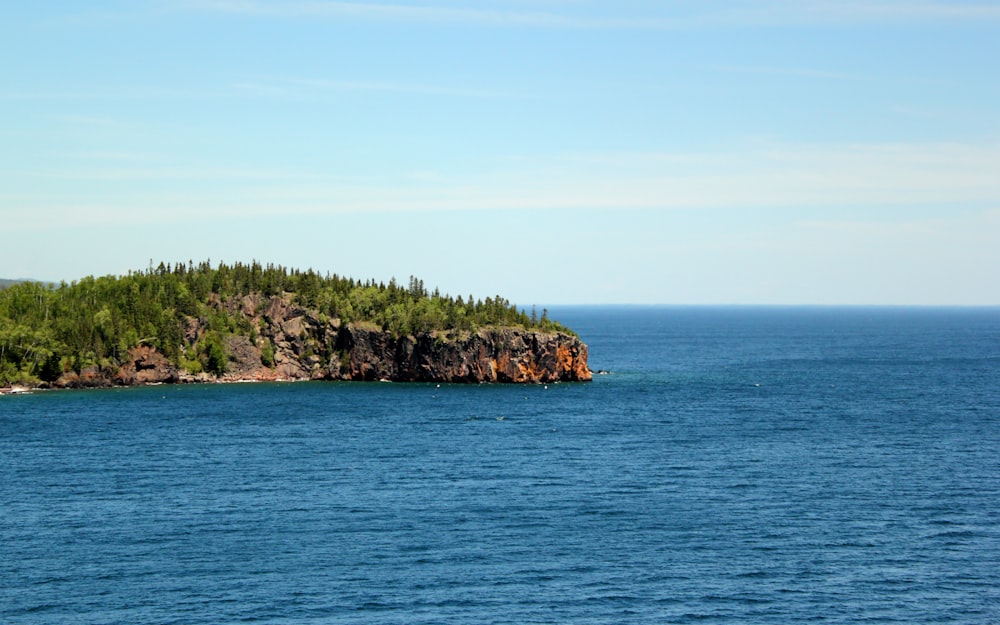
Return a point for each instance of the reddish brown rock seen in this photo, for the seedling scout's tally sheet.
(490, 355)
(301, 344)
(88, 377)
(145, 365)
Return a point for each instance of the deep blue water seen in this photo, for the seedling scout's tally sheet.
(739, 465)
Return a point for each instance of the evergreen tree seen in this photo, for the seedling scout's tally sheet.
(46, 330)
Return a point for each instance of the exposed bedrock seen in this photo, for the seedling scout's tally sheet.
(289, 342)
(491, 355)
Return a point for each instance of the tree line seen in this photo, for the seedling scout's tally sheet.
(46, 330)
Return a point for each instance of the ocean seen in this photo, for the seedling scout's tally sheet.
(734, 465)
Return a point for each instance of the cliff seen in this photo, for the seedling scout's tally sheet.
(290, 342)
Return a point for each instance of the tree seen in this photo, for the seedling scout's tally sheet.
(189, 311)
(215, 358)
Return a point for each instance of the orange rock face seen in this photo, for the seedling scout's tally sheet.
(490, 355)
(293, 343)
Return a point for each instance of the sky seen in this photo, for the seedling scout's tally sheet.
(784, 152)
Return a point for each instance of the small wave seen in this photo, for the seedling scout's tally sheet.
(956, 534)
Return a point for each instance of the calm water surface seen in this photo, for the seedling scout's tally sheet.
(739, 465)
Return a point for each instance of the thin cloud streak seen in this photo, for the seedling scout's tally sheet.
(772, 14)
(114, 93)
(801, 72)
(395, 87)
(422, 13)
(796, 177)
(875, 11)
(262, 88)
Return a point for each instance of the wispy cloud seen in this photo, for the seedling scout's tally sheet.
(654, 17)
(112, 92)
(661, 16)
(827, 12)
(105, 156)
(877, 11)
(796, 177)
(297, 87)
(794, 72)
(293, 87)
(413, 12)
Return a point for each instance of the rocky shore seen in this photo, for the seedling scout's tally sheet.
(290, 342)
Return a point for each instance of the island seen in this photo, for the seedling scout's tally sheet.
(188, 323)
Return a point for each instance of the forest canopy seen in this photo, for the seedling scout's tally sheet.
(46, 330)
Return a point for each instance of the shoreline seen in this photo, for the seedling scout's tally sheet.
(45, 388)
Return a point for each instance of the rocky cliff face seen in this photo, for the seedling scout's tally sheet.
(294, 343)
(501, 355)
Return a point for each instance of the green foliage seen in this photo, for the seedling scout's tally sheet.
(47, 329)
(267, 355)
(214, 356)
(192, 366)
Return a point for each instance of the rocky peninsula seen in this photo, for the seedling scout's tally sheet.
(155, 328)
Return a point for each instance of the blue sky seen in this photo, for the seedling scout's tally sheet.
(552, 151)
